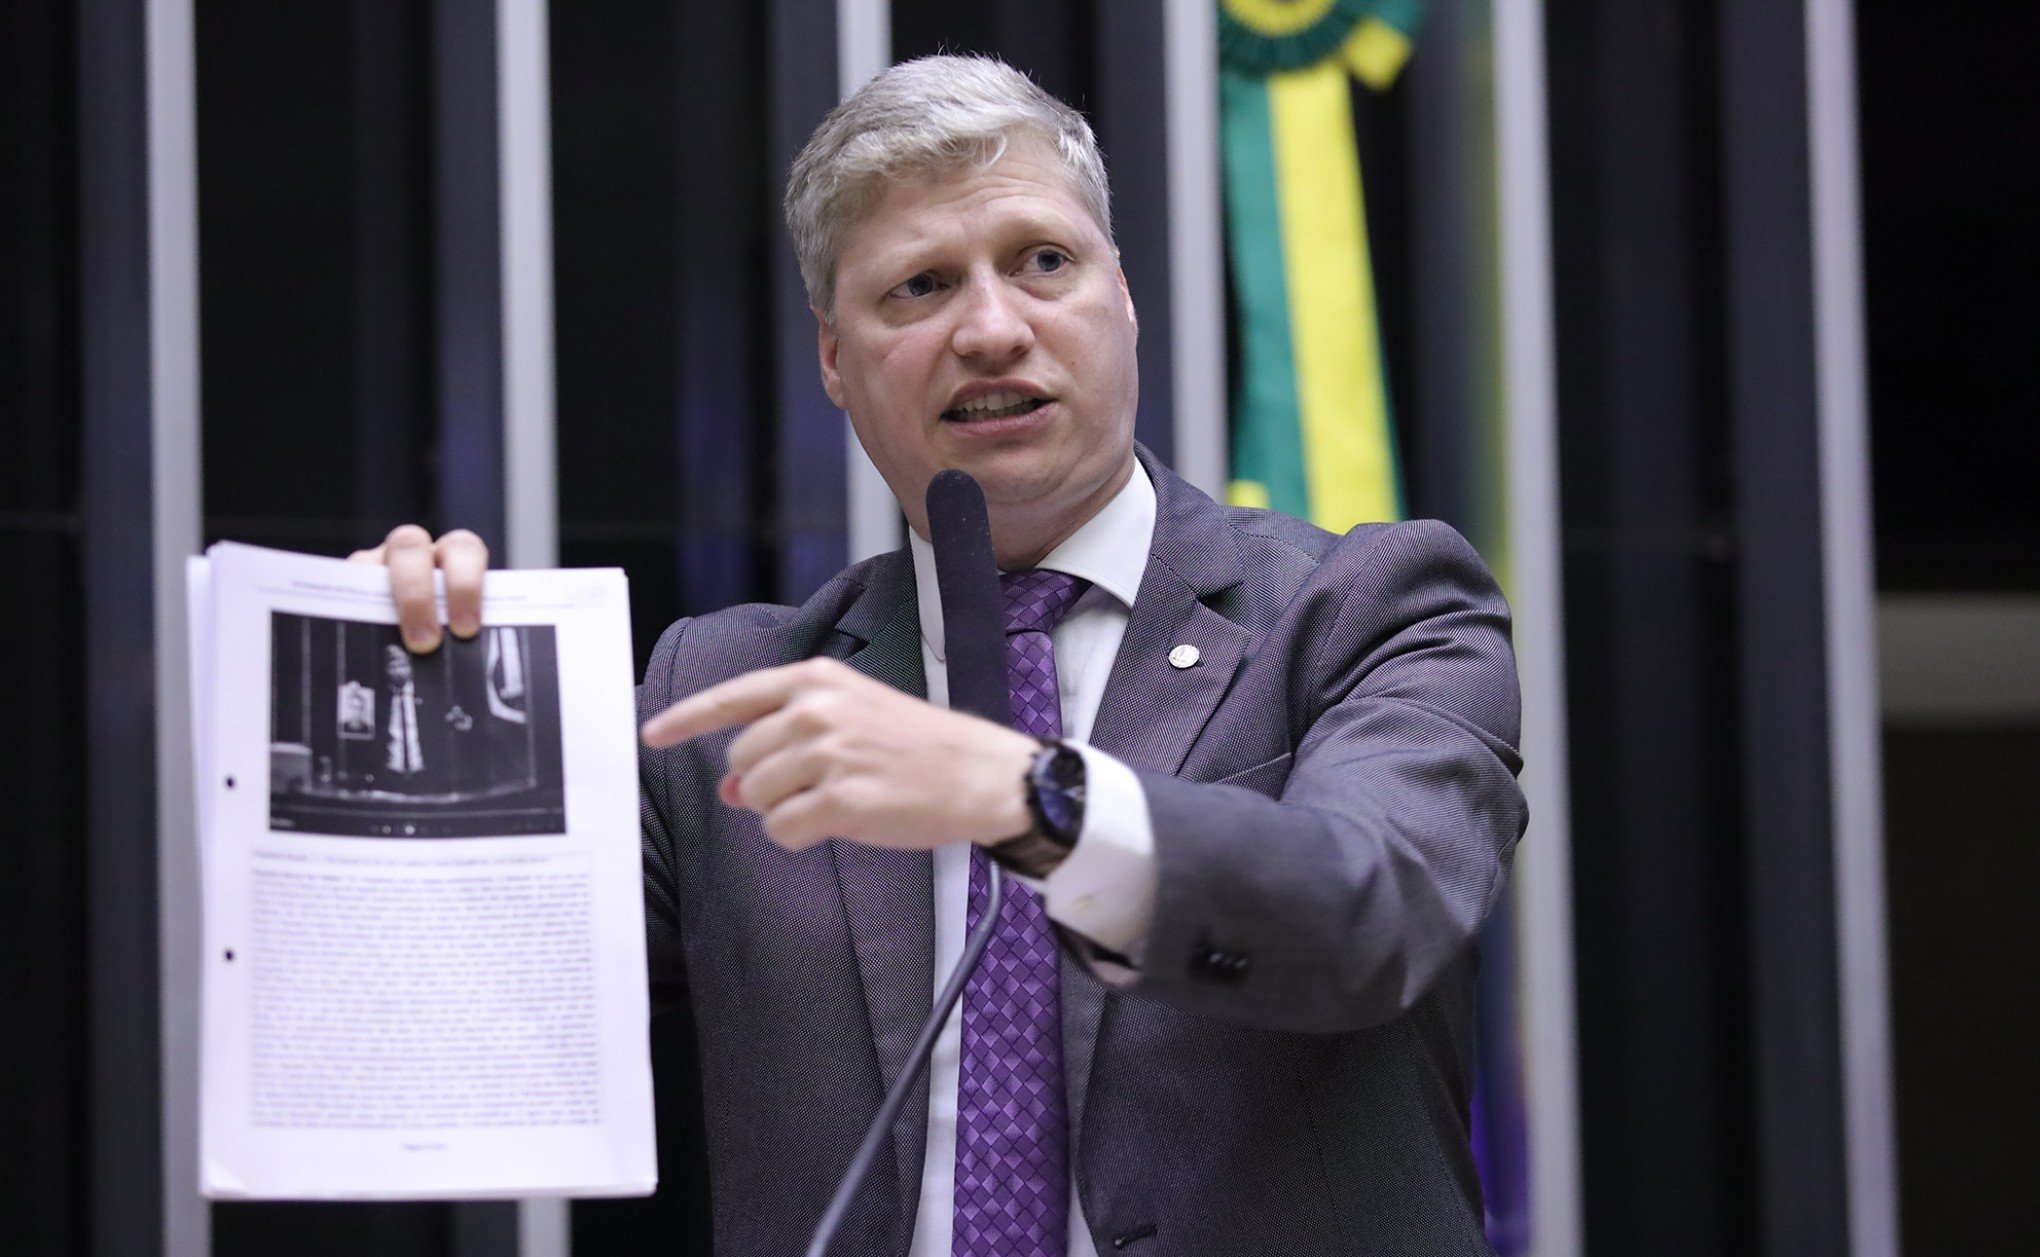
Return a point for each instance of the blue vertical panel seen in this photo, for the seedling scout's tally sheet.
(467, 251)
(1450, 457)
(468, 255)
(123, 1104)
(390, 202)
(1788, 808)
(811, 432)
(722, 414)
(1501, 1147)
(1129, 111)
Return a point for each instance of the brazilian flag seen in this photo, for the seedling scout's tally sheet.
(1312, 433)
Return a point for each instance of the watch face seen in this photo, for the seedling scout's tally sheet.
(1059, 792)
(1060, 810)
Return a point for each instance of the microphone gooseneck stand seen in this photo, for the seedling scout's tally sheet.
(917, 1060)
(974, 631)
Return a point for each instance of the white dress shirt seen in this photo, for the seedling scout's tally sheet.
(1105, 889)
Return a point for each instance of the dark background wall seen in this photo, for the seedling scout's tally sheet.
(1951, 266)
(43, 1072)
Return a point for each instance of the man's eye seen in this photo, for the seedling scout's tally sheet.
(1047, 261)
(919, 286)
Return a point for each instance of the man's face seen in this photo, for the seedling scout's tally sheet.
(397, 665)
(982, 323)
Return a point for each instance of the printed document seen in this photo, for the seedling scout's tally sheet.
(424, 974)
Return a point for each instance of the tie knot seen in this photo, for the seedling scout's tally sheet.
(1037, 599)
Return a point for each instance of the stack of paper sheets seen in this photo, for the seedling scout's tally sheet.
(424, 929)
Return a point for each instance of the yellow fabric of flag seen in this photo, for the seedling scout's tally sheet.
(1348, 450)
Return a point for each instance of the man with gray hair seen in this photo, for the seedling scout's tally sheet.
(1261, 796)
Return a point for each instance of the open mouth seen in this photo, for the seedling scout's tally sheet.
(994, 406)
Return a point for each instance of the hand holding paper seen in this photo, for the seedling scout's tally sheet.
(412, 556)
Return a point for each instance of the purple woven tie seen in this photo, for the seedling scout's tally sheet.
(1012, 1133)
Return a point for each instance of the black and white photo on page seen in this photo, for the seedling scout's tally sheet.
(368, 740)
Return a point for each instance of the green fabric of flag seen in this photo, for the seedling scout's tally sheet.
(1311, 424)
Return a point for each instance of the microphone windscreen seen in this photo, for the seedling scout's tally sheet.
(967, 578)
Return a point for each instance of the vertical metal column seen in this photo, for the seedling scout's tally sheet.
(1855, 769)
(1196, 244)
(531, 517)
(176, 493)
(863, 48)
(524, 145)
(1543, 871)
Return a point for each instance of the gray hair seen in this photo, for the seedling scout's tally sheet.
(932, 116)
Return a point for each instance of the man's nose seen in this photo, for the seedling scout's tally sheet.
(991, 321)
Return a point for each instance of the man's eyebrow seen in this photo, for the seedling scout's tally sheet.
(1023, 230)
(907, 253)
(1047, 222)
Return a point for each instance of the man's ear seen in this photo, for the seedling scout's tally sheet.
(1126, 294)
(825, 350)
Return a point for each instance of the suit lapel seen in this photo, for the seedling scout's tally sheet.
(888, 896)
(1153, 710)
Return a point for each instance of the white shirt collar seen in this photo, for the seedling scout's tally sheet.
(1110, 551)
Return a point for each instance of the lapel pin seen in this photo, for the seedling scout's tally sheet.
(1184, 656)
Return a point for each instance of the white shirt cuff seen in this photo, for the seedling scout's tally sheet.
(1105, 889)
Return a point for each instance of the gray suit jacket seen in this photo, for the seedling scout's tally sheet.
(1334, 802)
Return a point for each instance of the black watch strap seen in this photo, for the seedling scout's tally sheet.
(1054, 788)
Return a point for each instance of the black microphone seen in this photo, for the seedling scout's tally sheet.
(973, 614)
(974, 631)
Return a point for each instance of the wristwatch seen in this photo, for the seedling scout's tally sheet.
(1054, 787)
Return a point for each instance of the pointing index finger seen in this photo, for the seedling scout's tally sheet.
(737, 701)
